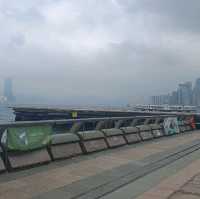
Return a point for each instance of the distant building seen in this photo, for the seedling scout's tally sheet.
(8, 90)
(196, 93)
(160, 99)
(154, 100)
(185, 94)
(165, 99)
(165, 108)
(174, 98)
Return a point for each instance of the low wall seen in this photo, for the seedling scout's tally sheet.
(27, 144)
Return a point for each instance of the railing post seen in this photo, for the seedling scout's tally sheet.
(119, 123)
(134, 122)
(158, 120)
(146, 122)
(76, 127)
(100, 125)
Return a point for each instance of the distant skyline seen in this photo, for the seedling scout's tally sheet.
(109, 51)
(29, 97)
(187, 93)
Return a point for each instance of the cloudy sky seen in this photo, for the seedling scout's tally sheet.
(99, 51)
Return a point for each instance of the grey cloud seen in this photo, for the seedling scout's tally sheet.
(17, 40)
(98, 51)
(180, 15)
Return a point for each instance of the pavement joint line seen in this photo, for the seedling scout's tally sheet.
(181, 190)
(177, 149)
(138, 174)
(177, 184)
(185, 140)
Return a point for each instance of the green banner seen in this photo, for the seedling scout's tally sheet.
(28, 138)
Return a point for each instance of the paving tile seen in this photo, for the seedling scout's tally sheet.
(180, 181)
(45, 181)
(191, 188)
(180, 195)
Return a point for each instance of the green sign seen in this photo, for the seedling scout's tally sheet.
(74, 114)
(28, 138)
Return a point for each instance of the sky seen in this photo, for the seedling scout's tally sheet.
(99, 51)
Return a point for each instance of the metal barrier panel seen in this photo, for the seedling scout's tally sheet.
(26, 146)
(157, 130)
(65, 146)
(188, 128)
(145, 132)
(92, 141)
(2, 166)
(183, 128)
(114, 137)
(131, 134)
(27, 159)
(31, 143)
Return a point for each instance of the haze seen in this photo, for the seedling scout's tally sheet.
(99, 51)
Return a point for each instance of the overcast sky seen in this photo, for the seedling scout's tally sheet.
(93, 50)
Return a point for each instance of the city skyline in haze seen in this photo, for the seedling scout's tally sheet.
(187, 94)
(109, 51)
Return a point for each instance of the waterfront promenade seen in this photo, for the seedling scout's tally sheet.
(163, 168)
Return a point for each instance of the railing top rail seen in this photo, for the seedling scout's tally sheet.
(68, 121)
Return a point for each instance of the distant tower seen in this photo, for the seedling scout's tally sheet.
(185, 94)
(196, 93)
(8, 90)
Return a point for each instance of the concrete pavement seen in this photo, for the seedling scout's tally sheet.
(71, 178)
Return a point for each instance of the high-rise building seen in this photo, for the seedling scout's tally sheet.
(185, 94)
(165, 99)
(8, 90)
(174, 98)
(196, 93)
(153, 100)
(156, 100)
(160, 99)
